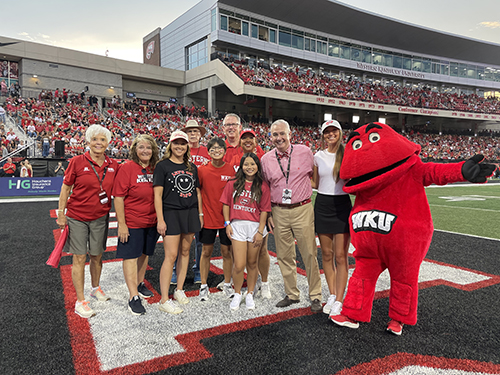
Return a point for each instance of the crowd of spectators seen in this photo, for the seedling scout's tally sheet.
(307, 81)
(51, 118)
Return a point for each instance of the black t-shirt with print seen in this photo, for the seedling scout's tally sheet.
(179, 185)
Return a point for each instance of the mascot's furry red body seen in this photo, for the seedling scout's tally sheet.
(391, 224)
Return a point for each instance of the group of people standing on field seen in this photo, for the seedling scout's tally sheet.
(229, 188)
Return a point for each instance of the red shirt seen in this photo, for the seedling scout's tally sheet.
(9, 168)
(84, 203)
(245, 208)
(232, 151)
(212, 183)
(235, 161)
(136, 188)
(199, 155)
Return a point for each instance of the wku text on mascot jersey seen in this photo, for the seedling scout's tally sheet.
(390, 223)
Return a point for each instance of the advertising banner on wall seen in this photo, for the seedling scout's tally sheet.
(24, 186)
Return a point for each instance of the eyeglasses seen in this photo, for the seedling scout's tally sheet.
(231, 124)
(216, 148)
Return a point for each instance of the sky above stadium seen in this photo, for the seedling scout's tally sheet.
(118, 27)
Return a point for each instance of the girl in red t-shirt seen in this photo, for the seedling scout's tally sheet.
(246, 202)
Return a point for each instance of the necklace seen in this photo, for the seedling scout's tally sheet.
(197, 150)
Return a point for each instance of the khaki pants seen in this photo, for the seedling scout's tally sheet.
(298, 223)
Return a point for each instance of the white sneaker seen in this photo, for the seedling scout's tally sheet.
(329, 304)
(235, 303)
(228, 291)
(265, 290)
(249, 301)
(204, 292)
(99, 295)
(220, 285)
(180, 297)
(83, 309)
(170, 307)
(336, 308)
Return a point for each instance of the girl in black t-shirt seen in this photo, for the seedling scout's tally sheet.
(179, 211)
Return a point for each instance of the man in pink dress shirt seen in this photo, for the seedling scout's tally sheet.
(288, 170)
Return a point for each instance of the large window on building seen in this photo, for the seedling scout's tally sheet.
(298, 39)
(285, 37)
(356, 53)
(196, 54)
(333, 48)
(263, 33)
(272, 36)
(234, 25)
(213, 19)
(223, 23)
(9, 75)
(255, 31)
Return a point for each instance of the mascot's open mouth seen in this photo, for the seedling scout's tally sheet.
(358, 180)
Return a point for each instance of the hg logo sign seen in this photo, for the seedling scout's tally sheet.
(20, 184)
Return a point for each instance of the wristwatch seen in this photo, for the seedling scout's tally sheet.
(226, 223)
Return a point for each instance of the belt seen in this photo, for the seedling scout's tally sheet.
(293, 205)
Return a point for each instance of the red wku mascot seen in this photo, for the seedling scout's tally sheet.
(390, 223)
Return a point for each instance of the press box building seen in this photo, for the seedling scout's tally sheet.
(330, 38)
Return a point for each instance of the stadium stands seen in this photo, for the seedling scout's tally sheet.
(48, 116)
(307, 81)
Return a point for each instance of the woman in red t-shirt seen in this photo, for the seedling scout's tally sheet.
(89, 178)
(248, 143)
(246, 202)
(136, 216)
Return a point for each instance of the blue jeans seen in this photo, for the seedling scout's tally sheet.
(45, 149)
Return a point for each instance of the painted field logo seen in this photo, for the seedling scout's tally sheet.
(373, 221)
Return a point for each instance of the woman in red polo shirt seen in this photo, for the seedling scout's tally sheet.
(136, 215)
(90, 178)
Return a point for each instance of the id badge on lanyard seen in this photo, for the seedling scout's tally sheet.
(286, 198)
(103, 197)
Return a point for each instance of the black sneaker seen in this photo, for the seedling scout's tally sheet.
(144, 291)
(135, 306)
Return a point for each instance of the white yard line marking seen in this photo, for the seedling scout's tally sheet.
(465, 208)
(465, 234)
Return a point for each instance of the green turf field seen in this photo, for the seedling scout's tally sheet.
(471, 209)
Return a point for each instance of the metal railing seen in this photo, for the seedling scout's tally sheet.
(30, 147)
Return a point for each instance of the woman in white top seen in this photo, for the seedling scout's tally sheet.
(331, 214)
(24, 170)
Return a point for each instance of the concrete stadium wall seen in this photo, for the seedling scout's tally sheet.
(53, 75)
(149, 91)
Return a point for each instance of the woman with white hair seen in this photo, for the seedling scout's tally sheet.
(89, 178)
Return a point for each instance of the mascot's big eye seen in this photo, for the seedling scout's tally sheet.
(356, 145)
(374, 137)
